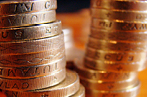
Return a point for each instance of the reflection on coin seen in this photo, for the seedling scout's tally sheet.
(26, 6)
(108, 85)
(101, 75)
(65, 89)
(33, 83)
(114, 66)
(31, 32)
(32, 46)
(32, 71)
(132, 92)
(17, 20)
(119, 35)
(129, 5)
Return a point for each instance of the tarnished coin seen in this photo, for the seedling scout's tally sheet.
(65, 89)
(33, 83)
(17, 20)
(108, 85)
(115, 56)
(101, 75)
(129, 5)
(8, 7)
(32, 71)
(114, 66)
(32, 59)
(119, 35)
(132, 92)
(32, 46)
(80, 93)
(31, 32)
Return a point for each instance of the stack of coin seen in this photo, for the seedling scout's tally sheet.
(32, 60)
(72, 52)
(116, 49)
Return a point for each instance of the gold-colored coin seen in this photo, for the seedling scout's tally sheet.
(33, 83)
(119, 14)
(30, 46)
(65, 89)
(124, 46)
(132, 92)
(101, 75)
(23, 6)
(108, 85)
(32, 58)
(114, 66)
(119, 25)
(80, 93)
(31, 32)
(115, 56)
(32, 71)
(130, 5)
(18, 20)
(119, 35)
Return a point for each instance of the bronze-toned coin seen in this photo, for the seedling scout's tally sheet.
(33, 83)
(65, 89)
(113, 14)
(30, 46)
(114, 66)
(108, 85)
(101, 75)
(119, 35)
(115, 56)
(32, 71)
(17, 20)
(31, 32)
(9, 7)
(132, 92)
(80, 93)
(124, 46)
(32, 59)
(119, 25)
(130, 5)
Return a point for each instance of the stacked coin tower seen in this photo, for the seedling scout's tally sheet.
(32, 60)
(116, 48)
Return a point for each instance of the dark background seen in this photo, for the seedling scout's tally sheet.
(72, 5)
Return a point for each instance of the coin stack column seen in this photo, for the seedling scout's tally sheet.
(32, 60)
(116, 49)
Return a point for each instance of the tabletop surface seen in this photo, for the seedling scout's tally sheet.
(79, 22)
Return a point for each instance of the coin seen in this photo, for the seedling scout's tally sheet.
(33, 83)
(31, 32)
(32, 58)
(119, 25)
(125, 46)
(115, 56)
(119, 35)
(80, 93)
(129, 5)
(114, 66)
(132, 92)
(108, 85)
(101, 75)
(30, 46)
(32, 71)
(18, 20)
(65, 89)
(8, 7)
(113, 14)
